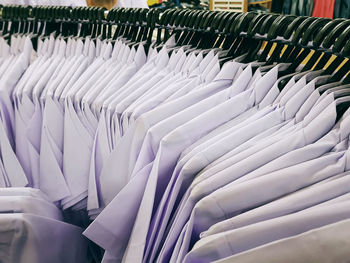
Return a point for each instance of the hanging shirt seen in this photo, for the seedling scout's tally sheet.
(141, 127)
(149, 118)
(338, 161)
(29, 205)
(233, 242)
(313, 195)
(217, 145)
(304, 247)
(182, 215)
(30, 238)
(51, 147)
(23, 191)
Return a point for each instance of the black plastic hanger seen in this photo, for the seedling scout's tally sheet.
(330, 32)
(185, 24)
(278, 27)
(239, 24)
(222, 28)
(341, 41)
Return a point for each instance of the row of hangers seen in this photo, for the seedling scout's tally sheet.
(241, 36)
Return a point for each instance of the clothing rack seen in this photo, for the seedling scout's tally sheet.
(132, 110)
(271, 28)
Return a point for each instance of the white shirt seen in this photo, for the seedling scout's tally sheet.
(171, 146)
(333, 164)
(245, 165)
(236, 241)
(311, 196)
(325, 244)
(30, 238)
(29, 205)
(144, 123)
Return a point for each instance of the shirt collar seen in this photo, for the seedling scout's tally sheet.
(296, 101)
(180, 62)
(140, 56)
(321, 123)
(209, 77)
(242, 81)
(171, 41)
(5, 49)
(190, 58)
(197, 60)
(62, 48)
(116, 49)
(206, 60)
(126, 52)
(28, 47)
(195, 68)
(51, 44)
(228, 71)
(265, 83)
(320, 105)
(175, 57)
(69, 47)
(162, 58)
(152, 52)
(92, 51)
(292, 90)
(313, 74)
(131, 55)
(344, 125)
(98, 47)
(211, 64)
(257, 75)
(107, 51)
(80, 48)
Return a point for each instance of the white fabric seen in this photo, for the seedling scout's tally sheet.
(325, 244)
(29, 238)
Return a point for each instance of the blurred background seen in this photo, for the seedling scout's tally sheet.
(316, 8)
(103, 3)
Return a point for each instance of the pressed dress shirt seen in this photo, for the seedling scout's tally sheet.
(76, 159)
(30, 238)
(190, 99)
(33, 128)
(319, 169)
(9, 79)
(325, 244)
(51, 140)
(24, 110)
(102, 143)
(233, 242)
(165, 110)
(103, 140)
(132, 142)
(267, 132)
(23, 191)
(180, 84)
(217, 146)
(311, 196)
(325, 119)
(51, 147)
(182, 137)
(211, 155)
(232, 157)
(30, 205)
